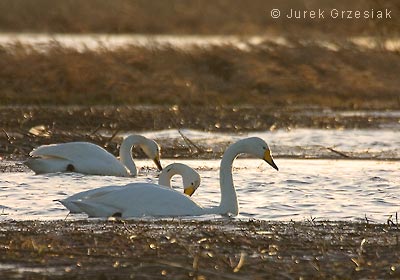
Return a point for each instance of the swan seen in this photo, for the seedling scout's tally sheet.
(88, 158)
(190, 180)
(143, 199)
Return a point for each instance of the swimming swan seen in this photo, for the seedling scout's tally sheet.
(190, 180)
(88, 158)
(141, 199)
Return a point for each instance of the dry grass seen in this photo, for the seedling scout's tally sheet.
(174, 249)
(268, 74)
(189, 17)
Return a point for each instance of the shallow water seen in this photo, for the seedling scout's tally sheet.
(321, 189)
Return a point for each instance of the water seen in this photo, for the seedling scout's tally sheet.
(302, 189)
(81, 42)
(302, 142)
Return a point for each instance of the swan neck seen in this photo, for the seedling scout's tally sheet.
(229, 203)
(165, 177)
(125, 152)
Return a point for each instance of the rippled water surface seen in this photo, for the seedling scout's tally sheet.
(304, 142)
(322, 189)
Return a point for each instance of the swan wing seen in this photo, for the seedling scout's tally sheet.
(73, 207)
(83, 157)
(142, 199)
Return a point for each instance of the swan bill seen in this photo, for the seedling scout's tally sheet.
(268, 158)
(189, 190)
(158, 163)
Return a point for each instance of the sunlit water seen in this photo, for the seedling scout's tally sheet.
(81, 42)
(302, 189)
(302, 143)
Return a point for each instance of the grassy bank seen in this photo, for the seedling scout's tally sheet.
(176, 249)
(269, 74)
(192, 17)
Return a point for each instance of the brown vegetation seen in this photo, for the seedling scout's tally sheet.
(190, 17)
(176, 249)
(269, 74)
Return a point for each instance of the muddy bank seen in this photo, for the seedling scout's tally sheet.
(179, 249)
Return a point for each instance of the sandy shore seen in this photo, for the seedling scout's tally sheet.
(182, 249)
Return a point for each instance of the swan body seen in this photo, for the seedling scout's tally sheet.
(141, 199)
(88, 158)
(190, 179)
(138, 200)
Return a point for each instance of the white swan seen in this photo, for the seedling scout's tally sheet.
(88, 158)
(190, 180)
(140, 199)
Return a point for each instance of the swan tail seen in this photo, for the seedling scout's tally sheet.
(47, 165)
(73, 208)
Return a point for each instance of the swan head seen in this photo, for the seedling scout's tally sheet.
(260, 149)
(152, 150)
(190, 178)
(191, 181)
